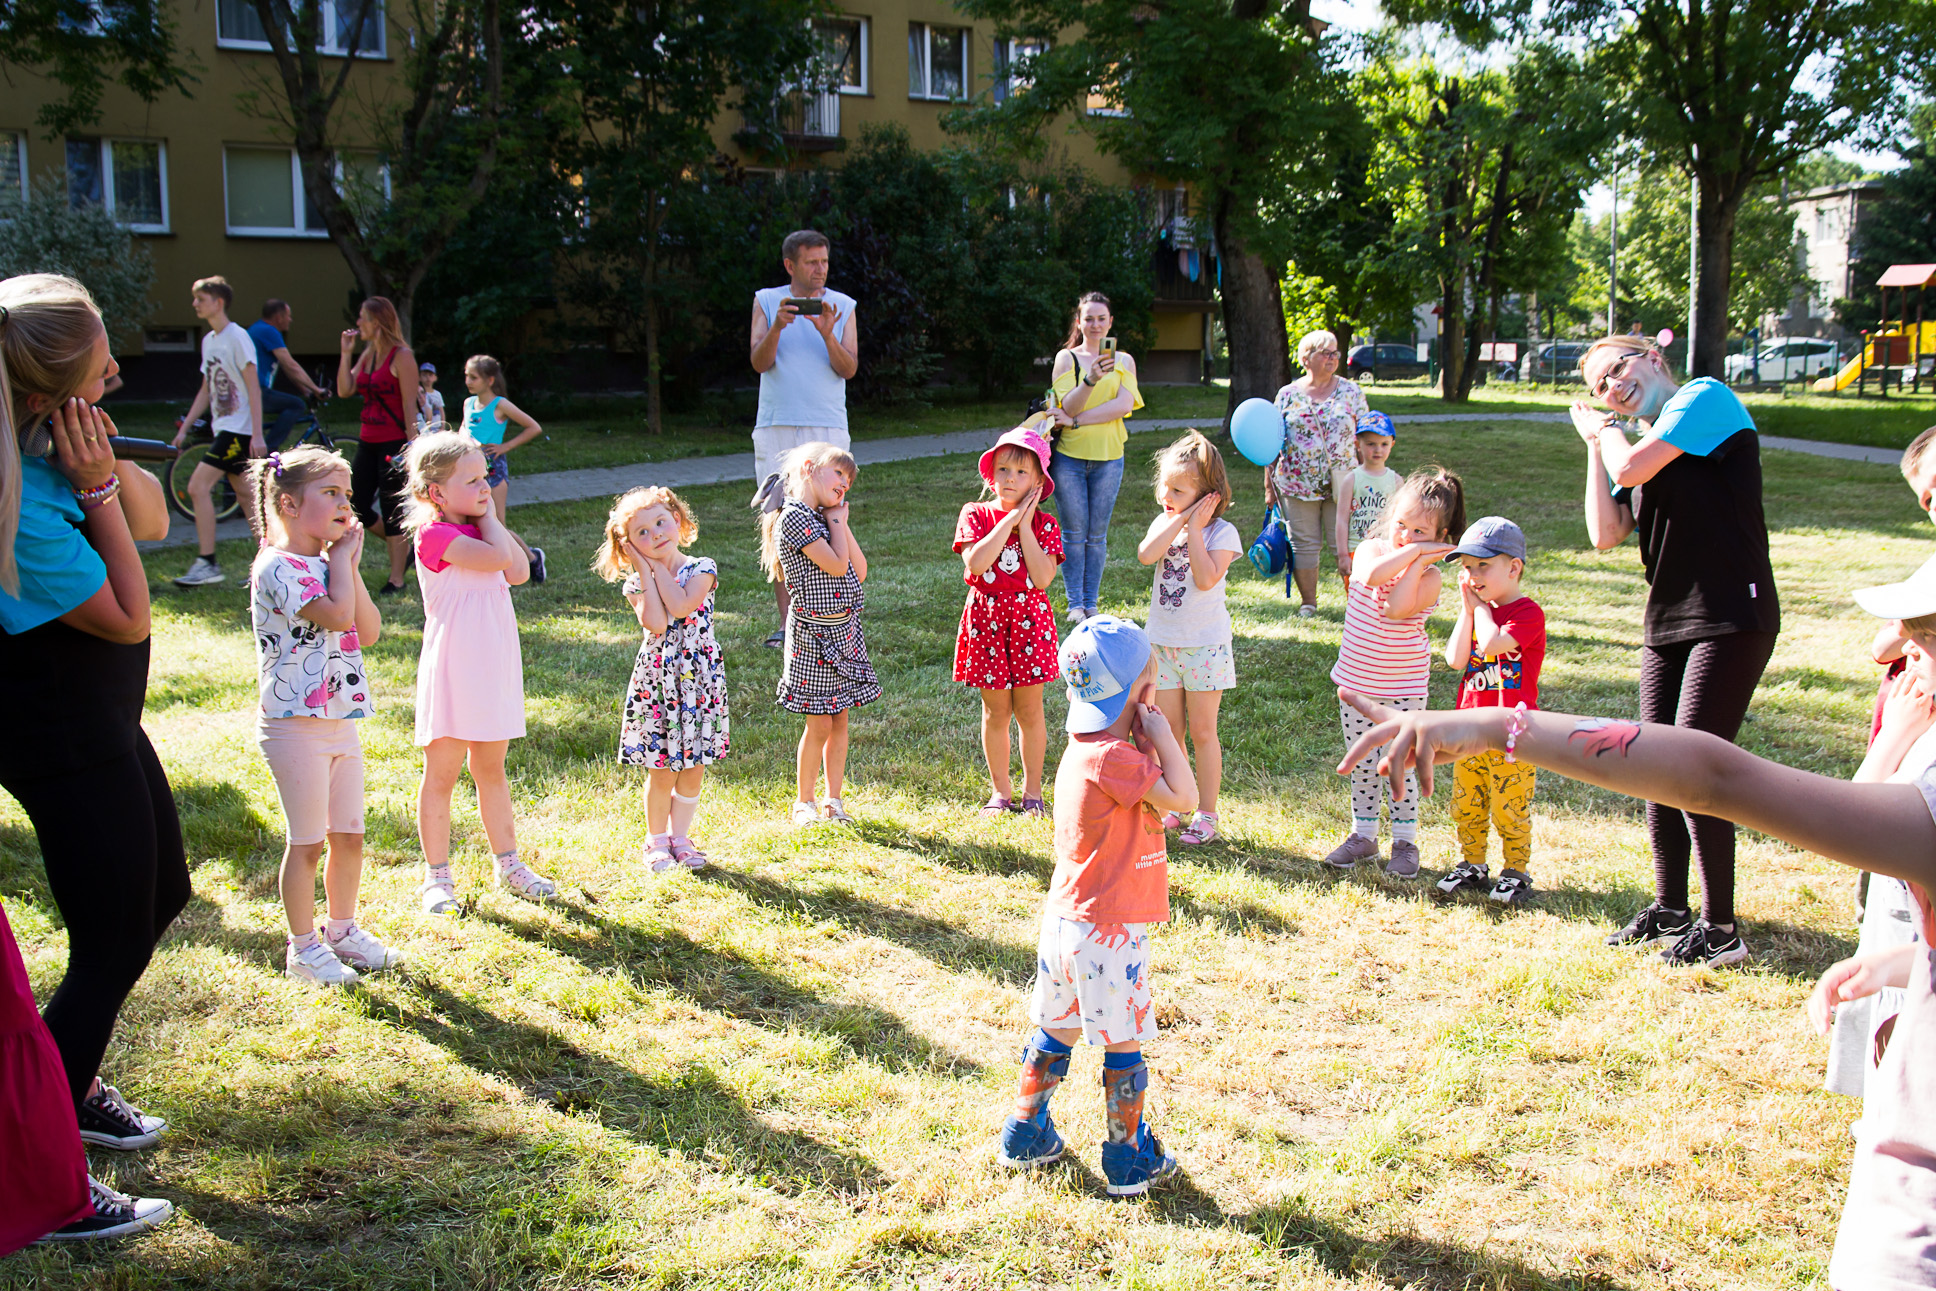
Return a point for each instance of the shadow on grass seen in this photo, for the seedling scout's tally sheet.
(1011, 963)
(973, 856)
(733, 987)
(696, 1114)
(201, 923)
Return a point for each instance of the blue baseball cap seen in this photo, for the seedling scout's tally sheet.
(1100, 660)
(1491, 536)
(1376, 423)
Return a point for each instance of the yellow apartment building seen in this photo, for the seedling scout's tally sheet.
(208, 187)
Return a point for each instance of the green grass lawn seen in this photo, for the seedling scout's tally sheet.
(789, 1071)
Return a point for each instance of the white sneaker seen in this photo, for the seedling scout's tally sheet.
(314, 964)
(1077, 614)
(1307, 611)
(362, 952)
(116, 1214)
(203, 573)
(806, 813)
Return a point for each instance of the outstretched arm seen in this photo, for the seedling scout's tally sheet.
(1886, 828)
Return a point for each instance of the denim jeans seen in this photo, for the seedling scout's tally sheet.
(287, 407)
(1085, 494)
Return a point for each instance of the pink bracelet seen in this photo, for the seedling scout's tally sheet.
(1515, 727)
(99, 495)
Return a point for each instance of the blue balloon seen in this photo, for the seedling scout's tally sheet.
(1257, 430)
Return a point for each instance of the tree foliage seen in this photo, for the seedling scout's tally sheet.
(1901, 230)
(1732, 92)
(47, 234)
(86, 46)
(1227, 96)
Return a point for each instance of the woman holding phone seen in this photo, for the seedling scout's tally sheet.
(73, 676)
(1094, 388)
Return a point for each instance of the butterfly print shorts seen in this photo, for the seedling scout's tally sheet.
(1208, 667)
(1093, 976)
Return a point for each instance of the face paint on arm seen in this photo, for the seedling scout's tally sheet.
(1601, 735)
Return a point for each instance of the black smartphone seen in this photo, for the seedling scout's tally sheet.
(806, 304)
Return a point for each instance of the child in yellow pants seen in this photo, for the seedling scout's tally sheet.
(1499, 643)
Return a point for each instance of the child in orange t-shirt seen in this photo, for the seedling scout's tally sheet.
(1122, 768)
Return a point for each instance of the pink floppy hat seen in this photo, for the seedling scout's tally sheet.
(1023, 436)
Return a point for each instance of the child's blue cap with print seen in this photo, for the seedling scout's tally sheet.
(1490, 536)
(1376, 423)
(1101, 659)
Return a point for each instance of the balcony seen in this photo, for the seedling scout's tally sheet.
(805, 121)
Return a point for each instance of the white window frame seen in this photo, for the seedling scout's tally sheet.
(105, 143)
(928, 95)
(329, 25)
(866, 86)
(20, 152)
(300, 200)
(1005, 82)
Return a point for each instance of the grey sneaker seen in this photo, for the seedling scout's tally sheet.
(1354, 848)
(203, 573)
(1404, 860)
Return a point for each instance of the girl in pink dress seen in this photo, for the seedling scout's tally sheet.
(470, 676)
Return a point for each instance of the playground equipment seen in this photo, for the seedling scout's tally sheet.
(1895, 349)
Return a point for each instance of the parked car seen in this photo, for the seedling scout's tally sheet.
(1561, 358)
(1787, 358)
(1385, 361)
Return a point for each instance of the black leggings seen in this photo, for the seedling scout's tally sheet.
(112, 845)
(1703, 686)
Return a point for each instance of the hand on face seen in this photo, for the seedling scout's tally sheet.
(1909, 706)
(1204, 511)
(82, 444)
(836, 514)
(348, 546)
(349, 339)
(1587, 421)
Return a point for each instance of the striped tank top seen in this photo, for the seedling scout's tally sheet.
(1381, 657)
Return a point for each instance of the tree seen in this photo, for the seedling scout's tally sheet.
(435, 145)
(86, 244)
(649, 78)
(1484, 170)
(1901, 231)
(1228, 96)
(1732, 92)
(84, 46)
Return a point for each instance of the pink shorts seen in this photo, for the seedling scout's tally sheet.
(318, 766)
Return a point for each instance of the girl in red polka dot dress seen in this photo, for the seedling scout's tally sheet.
(1006, 644)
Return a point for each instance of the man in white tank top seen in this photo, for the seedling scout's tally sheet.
(804, 361)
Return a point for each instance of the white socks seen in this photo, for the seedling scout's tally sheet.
(683, 810)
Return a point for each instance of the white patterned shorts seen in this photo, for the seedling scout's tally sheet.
(1199, 668)
(1094, 976)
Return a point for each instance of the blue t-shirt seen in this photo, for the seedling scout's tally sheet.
(1702, 415)
(268, 339)
(59, 569)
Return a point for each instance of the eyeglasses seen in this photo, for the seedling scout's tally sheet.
(1322, 354)
(1616, 372)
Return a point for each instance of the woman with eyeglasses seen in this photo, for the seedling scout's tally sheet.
(1320, 411)
(1690, 487)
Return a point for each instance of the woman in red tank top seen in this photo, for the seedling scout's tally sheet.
(385, 375)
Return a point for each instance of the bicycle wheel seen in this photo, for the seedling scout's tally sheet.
(182, 469)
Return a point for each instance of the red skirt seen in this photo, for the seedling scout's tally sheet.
(1006, 640)
(43, 1182)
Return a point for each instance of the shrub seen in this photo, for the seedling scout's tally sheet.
(47, 234)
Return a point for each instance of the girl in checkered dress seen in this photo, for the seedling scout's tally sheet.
(805, 541)
(1006, 644)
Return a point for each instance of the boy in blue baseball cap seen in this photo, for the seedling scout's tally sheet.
(1122, 769)
(1367, 491)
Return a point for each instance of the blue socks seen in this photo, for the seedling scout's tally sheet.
(1122, 1061)
(1047, 1043)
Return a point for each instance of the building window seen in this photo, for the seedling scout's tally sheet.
(1012, 59)
(128, 176)
(843, 54)
(239, 26)
(13, 168)
(937, 62)
(266, 199)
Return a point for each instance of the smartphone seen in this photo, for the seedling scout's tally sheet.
(1108, 345)
(806, 304)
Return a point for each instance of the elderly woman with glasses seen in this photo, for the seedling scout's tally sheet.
(1320, 411)
(1690, 487)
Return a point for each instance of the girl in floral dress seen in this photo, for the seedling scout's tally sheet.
(675, 707)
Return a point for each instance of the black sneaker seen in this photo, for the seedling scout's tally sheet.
(537, 565)
(1706, 944)
(777, 640)
(1652, 924)
(108, 1120)
(116, 1214)
(1513, 888)
(1465, 874)
(390, 589)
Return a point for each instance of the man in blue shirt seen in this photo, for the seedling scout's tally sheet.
(271, 355)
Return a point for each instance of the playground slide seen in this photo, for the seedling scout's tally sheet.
(1843, 379)
(1853, 368)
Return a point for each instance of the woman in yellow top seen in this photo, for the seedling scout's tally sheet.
(1095, 391)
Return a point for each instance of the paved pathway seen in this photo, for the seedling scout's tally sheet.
(690, 472)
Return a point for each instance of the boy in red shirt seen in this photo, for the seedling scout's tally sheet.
(1499, 643)
(1122, 769)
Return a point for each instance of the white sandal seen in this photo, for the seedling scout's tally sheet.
(438, 898)
(659, 858)
(833, 809)
(526, 882)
